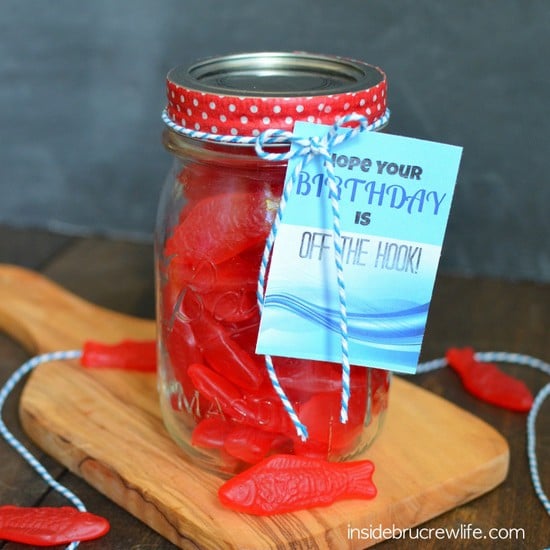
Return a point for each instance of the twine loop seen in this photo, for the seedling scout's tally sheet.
(310, 147)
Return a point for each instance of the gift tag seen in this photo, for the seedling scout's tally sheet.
(394, 201)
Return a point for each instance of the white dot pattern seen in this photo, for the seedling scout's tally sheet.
(250, 115)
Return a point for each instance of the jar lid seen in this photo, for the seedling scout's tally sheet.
(246, 94)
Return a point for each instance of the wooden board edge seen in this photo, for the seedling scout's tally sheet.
(95, 473)
(121, 491)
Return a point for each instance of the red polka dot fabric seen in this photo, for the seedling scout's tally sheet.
(250, 116)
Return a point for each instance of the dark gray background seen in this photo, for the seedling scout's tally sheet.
(82, 88)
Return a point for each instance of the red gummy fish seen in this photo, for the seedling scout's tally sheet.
(286, 483)
(134, 355)
(45, 526)
(487, 382)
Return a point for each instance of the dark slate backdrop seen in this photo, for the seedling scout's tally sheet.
(82, 88)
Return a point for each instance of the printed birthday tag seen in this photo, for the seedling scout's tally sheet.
(394, 199)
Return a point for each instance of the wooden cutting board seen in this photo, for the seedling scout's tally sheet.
(106, 427)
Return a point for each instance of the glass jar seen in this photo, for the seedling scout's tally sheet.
(215, 214)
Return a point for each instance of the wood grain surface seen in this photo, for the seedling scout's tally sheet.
(487, 314)
(105, 426)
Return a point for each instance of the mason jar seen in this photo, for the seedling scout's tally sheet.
(215, 214)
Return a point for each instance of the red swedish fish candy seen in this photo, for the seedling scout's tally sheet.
(219, 227)
(210, 433)
(214, 387)
(221, 352)
(488, 383)
(202, 275)
(265, 413)
(127, 354)
(251, 445)
(200, 180)
(328, 436)
(49, 526)
(183, 351)
(230, 306)
(286, 483)
(182, 346)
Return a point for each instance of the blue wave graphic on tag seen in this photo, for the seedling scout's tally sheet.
(390, 322)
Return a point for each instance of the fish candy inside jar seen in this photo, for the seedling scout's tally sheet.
(215, 214)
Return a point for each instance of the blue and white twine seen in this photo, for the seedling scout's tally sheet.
(306, 149)
(428, 366)
(529, 361)
(12, 381)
